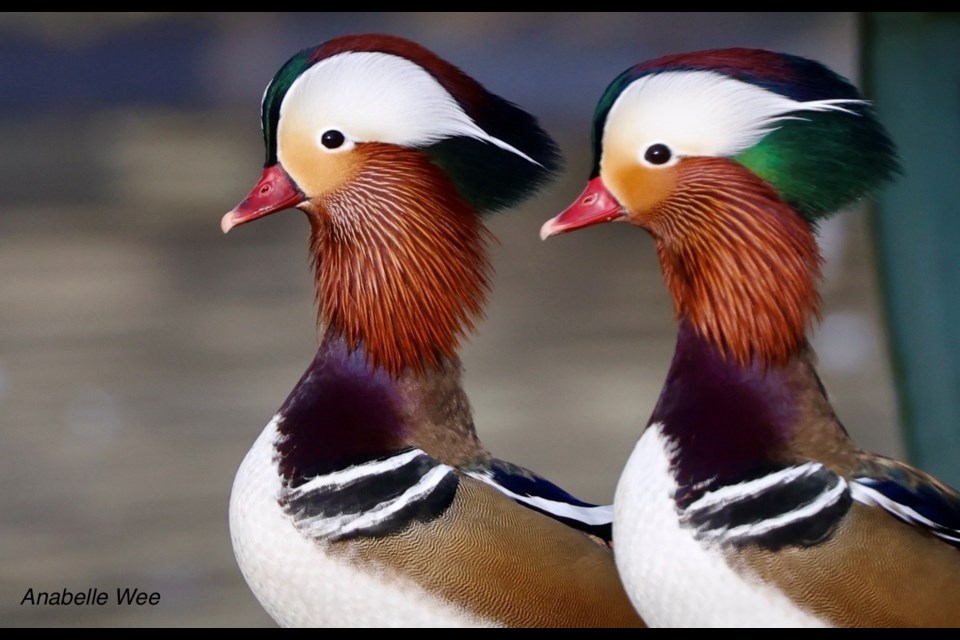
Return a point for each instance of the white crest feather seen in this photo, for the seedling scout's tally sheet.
(703, 113)
(379, 97)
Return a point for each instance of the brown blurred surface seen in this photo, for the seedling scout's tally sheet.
(141, 351)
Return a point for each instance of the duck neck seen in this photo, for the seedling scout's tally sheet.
(402, 270)
(742, 394)
(401, 275)
(343, 412)
(726, 421)
(741, 265)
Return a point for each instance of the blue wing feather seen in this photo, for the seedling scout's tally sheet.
(538, 493)
(912, 496)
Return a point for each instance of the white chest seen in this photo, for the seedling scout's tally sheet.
(297, 582)
(672, 578)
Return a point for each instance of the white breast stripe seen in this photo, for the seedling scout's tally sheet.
(301, 583)
(599, 515)
(654, 548)
(344, 476)
(822, 502)
(321, 527)
(751, 488)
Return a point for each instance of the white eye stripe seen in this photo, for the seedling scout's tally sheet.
(703, 113)
(379, 97)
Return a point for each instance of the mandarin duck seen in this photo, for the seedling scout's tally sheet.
(745, 502)
(368, 499)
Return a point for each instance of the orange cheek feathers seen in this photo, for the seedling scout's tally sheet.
(638, 188)
(316, 172)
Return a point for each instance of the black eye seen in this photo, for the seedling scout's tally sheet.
(658, 154)
(332, 139)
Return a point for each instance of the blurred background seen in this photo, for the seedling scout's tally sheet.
(141, 351)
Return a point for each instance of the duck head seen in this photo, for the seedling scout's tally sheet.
(728, 158)
(393, 154)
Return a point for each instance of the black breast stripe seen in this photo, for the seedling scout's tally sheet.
(375, 498)
(799, 505)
